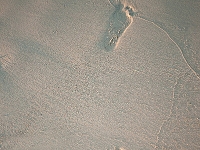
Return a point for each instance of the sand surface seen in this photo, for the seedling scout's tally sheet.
(99, 75)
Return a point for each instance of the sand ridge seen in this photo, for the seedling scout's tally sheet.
(119, 21)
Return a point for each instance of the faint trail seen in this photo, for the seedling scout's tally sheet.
(121, 20)
(161, 28)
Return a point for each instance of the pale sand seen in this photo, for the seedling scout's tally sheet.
(60, 88)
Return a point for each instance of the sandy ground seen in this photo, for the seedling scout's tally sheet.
(99, 75)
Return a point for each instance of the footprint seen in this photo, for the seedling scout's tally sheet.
(118, 23)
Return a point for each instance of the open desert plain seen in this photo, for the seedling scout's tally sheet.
(99, 74)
